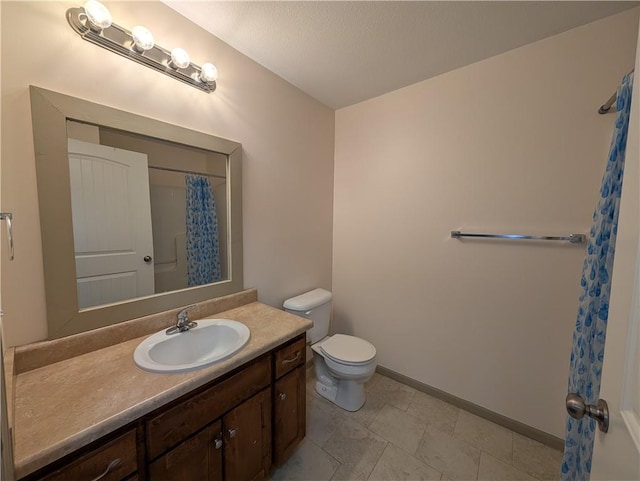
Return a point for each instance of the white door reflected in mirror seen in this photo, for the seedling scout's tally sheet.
(111, 223)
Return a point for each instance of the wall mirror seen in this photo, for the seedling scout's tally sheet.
(137, 216)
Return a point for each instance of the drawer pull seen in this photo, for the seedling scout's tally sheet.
(113, 464)
(292, 359)
(232, 433)
(283, 396)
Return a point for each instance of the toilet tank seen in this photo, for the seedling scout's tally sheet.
(315, 305)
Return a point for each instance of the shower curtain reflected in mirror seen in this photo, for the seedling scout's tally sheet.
(203, 255)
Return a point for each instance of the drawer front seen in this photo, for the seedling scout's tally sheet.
(102, 461)
(290, 357)
(179, 422)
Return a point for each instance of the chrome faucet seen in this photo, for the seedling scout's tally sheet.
(183, 323)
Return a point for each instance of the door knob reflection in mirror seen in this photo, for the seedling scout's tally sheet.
(147, 259)
(577, 408)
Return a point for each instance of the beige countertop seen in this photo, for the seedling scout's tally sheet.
(61, 407)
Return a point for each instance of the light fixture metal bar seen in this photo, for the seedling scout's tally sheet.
(118, 39)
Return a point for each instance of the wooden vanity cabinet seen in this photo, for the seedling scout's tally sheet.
(289, 400)
(229, 430)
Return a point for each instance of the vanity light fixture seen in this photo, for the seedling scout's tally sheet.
(179, 58)
(209, 72)
(94, 24)
(98, 16)
(142, 39)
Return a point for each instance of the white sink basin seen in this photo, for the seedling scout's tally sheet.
(211, 341)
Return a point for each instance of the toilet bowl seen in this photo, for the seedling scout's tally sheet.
(342, 363)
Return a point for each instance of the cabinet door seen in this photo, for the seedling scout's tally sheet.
(247, 432)
(290, 412)
(199, 458)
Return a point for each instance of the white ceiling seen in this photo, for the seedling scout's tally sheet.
(342, 53)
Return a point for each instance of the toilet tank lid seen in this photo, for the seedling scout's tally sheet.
(308, 300)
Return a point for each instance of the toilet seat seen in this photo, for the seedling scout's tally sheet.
(348, 350)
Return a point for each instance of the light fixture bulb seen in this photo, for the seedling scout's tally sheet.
(208, 73)
(179, 58)
(98, 16)
(142, 39)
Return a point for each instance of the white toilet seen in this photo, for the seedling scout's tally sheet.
(342, 363)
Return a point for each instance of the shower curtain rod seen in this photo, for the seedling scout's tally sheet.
(168, 169)
(605, 107)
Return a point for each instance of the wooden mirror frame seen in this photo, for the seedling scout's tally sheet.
(50, 112)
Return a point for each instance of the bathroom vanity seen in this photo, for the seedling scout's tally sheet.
(234, 420)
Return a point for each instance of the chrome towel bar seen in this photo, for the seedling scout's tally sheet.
(573, 238)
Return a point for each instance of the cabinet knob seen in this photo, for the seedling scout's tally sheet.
(283, 396)
(217, 443)
(147, 259)
(232, 433)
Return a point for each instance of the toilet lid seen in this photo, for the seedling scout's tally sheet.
(348, 349)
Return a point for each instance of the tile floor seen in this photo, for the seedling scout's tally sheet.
(401, 434)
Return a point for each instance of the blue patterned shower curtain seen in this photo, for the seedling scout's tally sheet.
(203, 257)
(585, 366)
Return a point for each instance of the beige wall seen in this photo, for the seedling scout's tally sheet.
(287, 140)
(510, 144)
